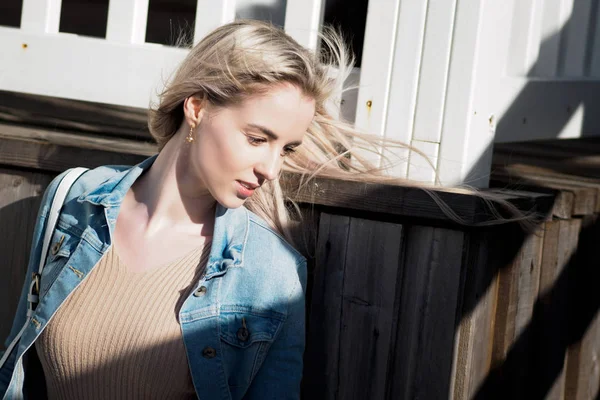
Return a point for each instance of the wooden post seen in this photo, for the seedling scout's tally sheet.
(212, 14)
(303, 20)
(41, 16)
(127, 21)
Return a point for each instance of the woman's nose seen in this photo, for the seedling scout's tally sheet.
(269, 167)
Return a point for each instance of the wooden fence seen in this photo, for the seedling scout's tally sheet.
(448, 77)
(403, 303)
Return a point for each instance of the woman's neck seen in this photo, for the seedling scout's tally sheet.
(168, 202)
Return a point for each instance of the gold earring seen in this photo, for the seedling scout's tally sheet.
(190, 137)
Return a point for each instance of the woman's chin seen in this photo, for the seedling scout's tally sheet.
(232, 202)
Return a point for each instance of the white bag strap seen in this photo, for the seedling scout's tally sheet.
(34, 287)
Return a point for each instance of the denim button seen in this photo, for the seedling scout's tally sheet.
(243, 334)
(201, 291)
(209, 352)
(56, 246)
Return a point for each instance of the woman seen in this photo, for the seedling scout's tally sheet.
(172, 279)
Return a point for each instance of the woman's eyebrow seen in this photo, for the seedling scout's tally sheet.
(272, 134)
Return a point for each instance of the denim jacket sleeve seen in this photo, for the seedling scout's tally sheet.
(281, 372)
(34, 256)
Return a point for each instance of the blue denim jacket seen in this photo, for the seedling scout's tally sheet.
(251, 273)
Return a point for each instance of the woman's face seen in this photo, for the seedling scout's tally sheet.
(237, 148)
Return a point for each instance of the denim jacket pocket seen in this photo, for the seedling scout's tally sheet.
(59, 251)
(246, 335)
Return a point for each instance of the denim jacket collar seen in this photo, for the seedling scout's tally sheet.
(230, 229)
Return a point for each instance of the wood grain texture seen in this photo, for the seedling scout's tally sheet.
(370, 278)
(37, 148)
(58, 151)
(474, 335)
(582, 376)
(73, 115)
(586, 196)
(560, 242)
(321, 378)
(20, 197)
(518, 287)
(426, 307)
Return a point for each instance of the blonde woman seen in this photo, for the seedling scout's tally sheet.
(175, 278)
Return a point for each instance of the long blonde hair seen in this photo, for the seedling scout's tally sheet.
(245, 58)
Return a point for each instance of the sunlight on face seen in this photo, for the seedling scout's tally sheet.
(238, 148)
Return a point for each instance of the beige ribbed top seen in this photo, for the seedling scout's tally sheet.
(117, 336)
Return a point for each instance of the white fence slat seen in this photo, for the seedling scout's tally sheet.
(552, 21)
(303, 19)
(404, 80)
(595, 59)
(376, 67)
(84, 68)
(212, 14)
(127, 20)
(420, 168)
(464, 134)
(434, 70)
(41, 16)
(525, 35)
(576, 39)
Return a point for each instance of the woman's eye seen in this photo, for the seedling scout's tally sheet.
(255, 140)
(287, 151)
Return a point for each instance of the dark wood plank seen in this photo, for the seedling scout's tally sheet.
(560, 242)
(19, 202)
(518, 287)
(586, 166)
(582, 376)
(58, 151)
(586, 195)
(474, 335)
(369, 287)
(73, 115)
(37, 148)
(427, 307)
(321, 378)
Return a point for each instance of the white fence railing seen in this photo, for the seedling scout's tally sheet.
(448, 77)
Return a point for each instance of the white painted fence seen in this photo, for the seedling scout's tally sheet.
(448, 77)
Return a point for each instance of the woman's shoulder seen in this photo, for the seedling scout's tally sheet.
(264, 238)
(91, 178)
(265, 243)
(95, 177)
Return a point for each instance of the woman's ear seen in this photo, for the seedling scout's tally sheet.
(193, 109)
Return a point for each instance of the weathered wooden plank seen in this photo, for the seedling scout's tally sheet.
(518, 286)
(57, 151)
(586, 195)
(582, 380)
(474, 336)
(560, 242)
(404, 200)
(321, 377)
(427, 308)
(20, 197)
(369, 286)
(523, 173)
(582, 377)
(60, 114)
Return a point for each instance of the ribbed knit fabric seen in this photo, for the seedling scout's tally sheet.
(117, 336)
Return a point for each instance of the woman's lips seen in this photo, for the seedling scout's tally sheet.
(242, 190)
